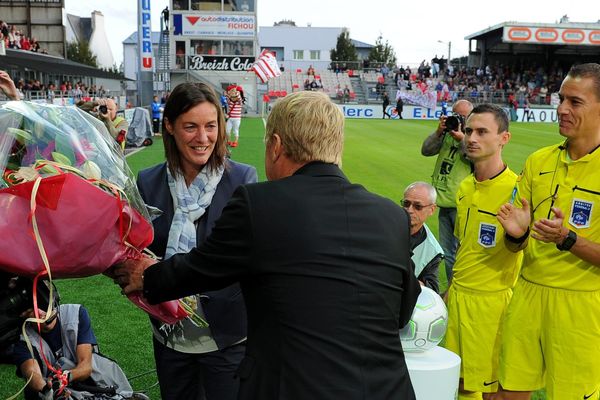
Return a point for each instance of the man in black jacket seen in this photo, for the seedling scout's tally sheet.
(324, 267)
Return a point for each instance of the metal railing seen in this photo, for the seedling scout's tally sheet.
(50, 95)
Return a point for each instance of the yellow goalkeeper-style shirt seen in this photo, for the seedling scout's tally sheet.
(551, 179)
(483, 262)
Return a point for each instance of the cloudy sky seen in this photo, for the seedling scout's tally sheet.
(413, 28)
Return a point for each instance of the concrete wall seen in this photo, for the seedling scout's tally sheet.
(45, 24)
(114, 85)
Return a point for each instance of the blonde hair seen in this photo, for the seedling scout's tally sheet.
(310, 126)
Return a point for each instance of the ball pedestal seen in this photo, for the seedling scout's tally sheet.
(434, 373)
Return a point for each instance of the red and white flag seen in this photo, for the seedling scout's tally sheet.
(266, 66)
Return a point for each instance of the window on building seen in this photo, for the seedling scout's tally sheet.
(207, 5)
(298, 54)
(242, 5)
(205, 47)
(215, 5)
(315, 54)
(181, 5)
(237, 48)
(179, 55)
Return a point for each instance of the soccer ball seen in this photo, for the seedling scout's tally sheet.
(427, 324)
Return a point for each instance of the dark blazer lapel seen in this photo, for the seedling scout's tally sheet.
(159, 196)
(220, 198)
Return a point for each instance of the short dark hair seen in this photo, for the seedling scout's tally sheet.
(589, 70)
(183, 98)
(498, 112)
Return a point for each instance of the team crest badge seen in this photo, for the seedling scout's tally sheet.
(487, 235)
(581, 213)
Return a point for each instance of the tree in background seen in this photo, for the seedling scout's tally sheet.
(80, 52)
(344, 49)
(382, 53)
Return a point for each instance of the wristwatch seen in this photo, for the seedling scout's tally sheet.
(568, 242)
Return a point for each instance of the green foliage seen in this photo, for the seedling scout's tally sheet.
(82, 53)
(384, 156)
(382, 52)
(344, 49)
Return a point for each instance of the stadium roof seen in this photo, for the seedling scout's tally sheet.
(21, 59)
(574, 25)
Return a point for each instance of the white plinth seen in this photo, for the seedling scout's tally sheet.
(434, 373)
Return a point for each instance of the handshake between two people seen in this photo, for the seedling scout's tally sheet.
(129, 274)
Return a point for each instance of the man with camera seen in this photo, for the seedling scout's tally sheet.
(117, 126)
(66, 341)
(106, 111)
(451, 167)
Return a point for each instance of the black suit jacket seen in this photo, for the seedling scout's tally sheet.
(325, 271)
(225, 310)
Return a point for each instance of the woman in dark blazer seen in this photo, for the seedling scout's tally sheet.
(191, 188)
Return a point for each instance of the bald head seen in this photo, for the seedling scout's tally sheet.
(111, 106)
(462, 107)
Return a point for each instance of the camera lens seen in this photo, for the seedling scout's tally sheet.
(103, 109)
(452, 123)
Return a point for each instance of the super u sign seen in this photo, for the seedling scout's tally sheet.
(145, 35)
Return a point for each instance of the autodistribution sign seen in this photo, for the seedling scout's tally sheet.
(214, 25)
(551, 35)
(144, 35)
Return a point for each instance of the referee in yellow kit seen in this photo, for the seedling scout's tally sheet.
(552, 327)
(485, 270)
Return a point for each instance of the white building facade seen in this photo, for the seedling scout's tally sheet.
(93, 31)
(298, 47)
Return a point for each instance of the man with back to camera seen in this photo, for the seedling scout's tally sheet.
(451, 167)
(486, 269)
(419, 203)
(324, 267)
(552, 328)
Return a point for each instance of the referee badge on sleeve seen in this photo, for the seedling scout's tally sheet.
(487, 235)
(581, 213)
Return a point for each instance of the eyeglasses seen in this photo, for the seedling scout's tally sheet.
(418, 207)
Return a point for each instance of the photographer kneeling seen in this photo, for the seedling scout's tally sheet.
(66, 341)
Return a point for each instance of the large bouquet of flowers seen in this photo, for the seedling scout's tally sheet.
(69, 206)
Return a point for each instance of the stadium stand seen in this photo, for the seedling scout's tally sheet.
(290, 81)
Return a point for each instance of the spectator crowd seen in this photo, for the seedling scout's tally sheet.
(524, 83)
(15, 39)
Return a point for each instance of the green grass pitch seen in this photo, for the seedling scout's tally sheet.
(383, 155)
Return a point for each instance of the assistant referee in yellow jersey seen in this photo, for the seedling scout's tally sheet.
(552, 330)
(485, 270)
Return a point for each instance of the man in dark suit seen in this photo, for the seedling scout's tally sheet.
(324, 267)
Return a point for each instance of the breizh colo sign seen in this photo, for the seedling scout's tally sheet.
(220, 63)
